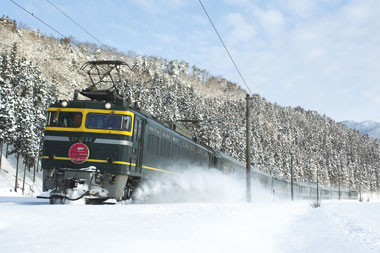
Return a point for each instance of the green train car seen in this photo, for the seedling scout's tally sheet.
(102, 148)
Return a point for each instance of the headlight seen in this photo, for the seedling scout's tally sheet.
(107, 106)
(64, 103)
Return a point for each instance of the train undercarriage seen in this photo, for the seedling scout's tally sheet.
(92, 185)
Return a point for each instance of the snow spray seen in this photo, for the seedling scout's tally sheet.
(194, 185)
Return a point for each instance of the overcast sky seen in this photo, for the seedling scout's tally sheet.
(322, 55)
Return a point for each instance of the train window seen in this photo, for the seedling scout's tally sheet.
(109, 121)
(137, 129)
(126, 123)
(154, 130)
(64, 119)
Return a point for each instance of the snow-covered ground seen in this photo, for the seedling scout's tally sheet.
(31, 225)
(206, 213)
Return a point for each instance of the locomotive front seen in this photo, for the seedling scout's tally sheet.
(88, 151)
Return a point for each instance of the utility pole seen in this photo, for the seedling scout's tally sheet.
(248, 151)
(291, 177)
(18, 163)
(340, 178)
(248, 143)
(317, 185)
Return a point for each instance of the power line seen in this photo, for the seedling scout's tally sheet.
(72, 20)
(208, 120)
(225, 47)
(38, 19)
(47, 25)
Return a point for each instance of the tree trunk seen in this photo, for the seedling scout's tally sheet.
(23, 180)
(6, 152)
(34, 171)
(1, 151)
(18, 162)
(39, 156)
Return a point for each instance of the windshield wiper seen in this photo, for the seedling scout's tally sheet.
(107, 118)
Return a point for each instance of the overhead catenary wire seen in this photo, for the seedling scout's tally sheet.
(248, 98)
(225, 47)
(208, 120)
(76, 23)
(38, 19)
(47, 24)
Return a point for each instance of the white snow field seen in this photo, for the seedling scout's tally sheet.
(30, 225)
(195, 212)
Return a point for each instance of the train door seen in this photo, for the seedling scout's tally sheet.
(138, 139)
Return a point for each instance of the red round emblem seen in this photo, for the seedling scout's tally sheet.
(79, 153)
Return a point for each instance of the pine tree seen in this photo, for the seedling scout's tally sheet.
(24, 99)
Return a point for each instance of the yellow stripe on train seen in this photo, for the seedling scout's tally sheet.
(117, 162)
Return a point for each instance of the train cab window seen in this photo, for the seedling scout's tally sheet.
(64, 119)
(108, 121)
(126, 123)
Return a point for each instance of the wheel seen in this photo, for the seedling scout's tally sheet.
(95, 201)
(57, 200)
(127, 194)
(130, 186)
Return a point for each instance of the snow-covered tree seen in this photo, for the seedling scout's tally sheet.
(25, 96)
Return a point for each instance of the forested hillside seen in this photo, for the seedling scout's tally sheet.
(172, 90)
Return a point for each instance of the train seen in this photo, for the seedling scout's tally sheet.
(102, 147)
